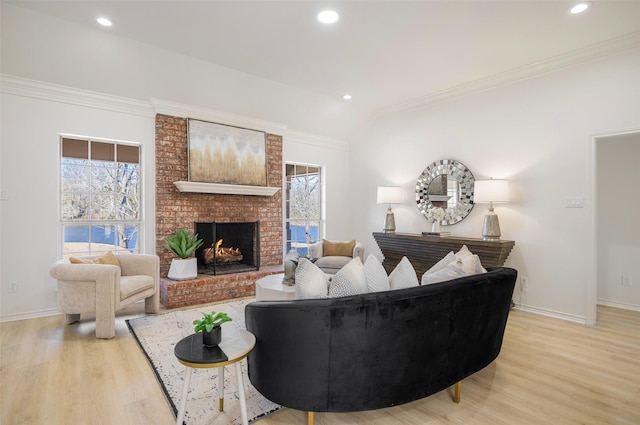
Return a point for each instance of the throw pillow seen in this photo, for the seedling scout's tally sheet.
(403, 276)
(350, 280)
(108, 258)
(376, 275)
(442, 263)
(472, 265)
(311, 282)
(463, 253)
(453, 270)
(344, 249)
(76, 260)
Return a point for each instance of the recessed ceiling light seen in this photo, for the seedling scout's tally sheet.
(346, 96)
(579, 7)
(104, 21)
(328, 16)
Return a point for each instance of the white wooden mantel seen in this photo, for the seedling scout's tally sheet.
(225, 189)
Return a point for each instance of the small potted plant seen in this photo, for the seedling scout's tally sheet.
(183, 243)
(209, 325)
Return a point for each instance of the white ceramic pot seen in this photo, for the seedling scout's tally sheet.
(183, 269)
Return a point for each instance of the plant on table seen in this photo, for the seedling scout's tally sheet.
(210, 321)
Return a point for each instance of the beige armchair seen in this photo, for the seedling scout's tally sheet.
(105, 288)
(334, 255)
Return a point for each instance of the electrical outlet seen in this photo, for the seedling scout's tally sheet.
(524, 282)
(13, 287)
(626, 281)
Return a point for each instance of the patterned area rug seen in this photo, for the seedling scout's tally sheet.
(157, 337)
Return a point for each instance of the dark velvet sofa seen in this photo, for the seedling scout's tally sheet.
(381, 349)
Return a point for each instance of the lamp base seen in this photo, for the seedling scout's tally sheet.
(491, 227)
(389, 222)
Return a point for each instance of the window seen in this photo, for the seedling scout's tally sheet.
(100, 196)
(303, 207)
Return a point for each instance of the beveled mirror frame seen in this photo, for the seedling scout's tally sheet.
(452, 169)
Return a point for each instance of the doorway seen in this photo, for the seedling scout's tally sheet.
(616, 234)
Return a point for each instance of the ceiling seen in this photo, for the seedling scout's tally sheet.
(384, 53)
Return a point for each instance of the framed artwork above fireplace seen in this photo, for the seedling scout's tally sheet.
(225, 154)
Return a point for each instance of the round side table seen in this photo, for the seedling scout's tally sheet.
(236, 344)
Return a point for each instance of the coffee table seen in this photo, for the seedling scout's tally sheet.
(236, 344)
(270, 288)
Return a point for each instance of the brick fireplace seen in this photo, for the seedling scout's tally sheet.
(178, 210)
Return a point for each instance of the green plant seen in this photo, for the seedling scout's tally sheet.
(183, 243)
(210, 321)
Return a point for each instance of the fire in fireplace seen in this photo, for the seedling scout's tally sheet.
(228, 247)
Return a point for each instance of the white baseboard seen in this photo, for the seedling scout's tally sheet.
(29, 315)
(550, 313)
(617, 304)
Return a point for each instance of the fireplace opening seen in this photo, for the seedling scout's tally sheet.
(228, 247)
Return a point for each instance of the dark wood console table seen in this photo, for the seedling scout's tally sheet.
(424, 251)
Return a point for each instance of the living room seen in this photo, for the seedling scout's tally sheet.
(541, 131)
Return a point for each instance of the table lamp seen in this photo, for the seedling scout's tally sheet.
(389, 195)
(491, 191)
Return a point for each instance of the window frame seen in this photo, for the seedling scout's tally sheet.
(107, 224)
(288, 241)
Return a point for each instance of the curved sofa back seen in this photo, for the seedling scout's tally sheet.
(379, 349)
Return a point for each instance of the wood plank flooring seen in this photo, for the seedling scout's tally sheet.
(549, 372)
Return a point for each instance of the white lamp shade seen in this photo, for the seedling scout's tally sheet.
(390, 195)
(485, 191)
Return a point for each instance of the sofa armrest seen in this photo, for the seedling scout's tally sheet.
(140, 264)
(84, 272)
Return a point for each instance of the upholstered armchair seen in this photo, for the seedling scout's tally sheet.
(88, 285)
(333, 255)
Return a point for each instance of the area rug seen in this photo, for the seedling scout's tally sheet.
(157, 337)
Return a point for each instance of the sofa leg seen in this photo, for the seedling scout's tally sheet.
(456, 391)
(309, 418)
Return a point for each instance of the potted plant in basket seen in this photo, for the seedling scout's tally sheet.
(183, 243)
(209, 325)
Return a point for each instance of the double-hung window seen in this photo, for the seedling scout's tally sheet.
(304, 223)
(100, 196)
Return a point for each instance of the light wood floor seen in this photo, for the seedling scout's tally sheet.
(549, 372)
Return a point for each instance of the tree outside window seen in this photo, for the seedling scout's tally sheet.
(100, 196)
(303, 206)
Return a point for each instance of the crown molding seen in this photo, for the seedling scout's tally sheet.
(294, 136)
(175, 109)
(19, 86)
(595, 51)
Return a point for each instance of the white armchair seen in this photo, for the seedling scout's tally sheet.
(105, 288)
(334, 255)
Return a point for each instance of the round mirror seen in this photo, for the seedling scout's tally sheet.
(446, 184)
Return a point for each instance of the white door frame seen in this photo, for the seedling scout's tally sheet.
(592, 278)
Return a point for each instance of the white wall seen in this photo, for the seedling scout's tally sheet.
(537, 134)
(618, 232)
(30, 157)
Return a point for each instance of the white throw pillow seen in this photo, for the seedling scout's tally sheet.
(403, 276)
(442, 263)
(472, 265)
(350, 280)
(311, 282)
(463, 253)
(452, 271)
(376, 275)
